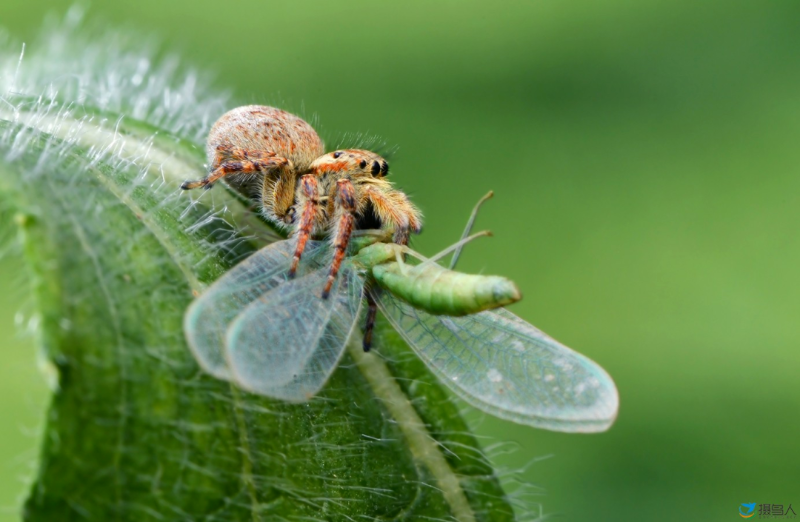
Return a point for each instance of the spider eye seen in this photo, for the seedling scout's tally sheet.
(363, 164)
(385, 168)
(337, 154)
(376, 168)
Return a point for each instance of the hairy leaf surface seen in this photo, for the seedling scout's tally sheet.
(135, 430)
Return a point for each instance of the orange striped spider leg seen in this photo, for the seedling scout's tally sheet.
(308, 201)
(238, 161)
(345, 208)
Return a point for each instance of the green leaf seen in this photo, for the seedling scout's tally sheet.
(135, 430)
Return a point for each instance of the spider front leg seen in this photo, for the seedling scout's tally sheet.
(234, 160)
(394, 210)
(345, 208)
(308, 202)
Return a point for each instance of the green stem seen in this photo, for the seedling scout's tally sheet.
(422, 444)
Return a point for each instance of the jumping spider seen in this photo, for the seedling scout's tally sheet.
(267, 153)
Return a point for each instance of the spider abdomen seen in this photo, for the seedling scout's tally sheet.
(262, 129)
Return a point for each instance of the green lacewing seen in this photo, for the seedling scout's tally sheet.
(278, 337)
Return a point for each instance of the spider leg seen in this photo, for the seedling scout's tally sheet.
(369, 326)
(234, 160)
(345, 208)
(282, 194)
(226, 152)
(393, 208)
(308, 201)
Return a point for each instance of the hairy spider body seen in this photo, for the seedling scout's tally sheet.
(343, 189)
(278, 159)
(260, 151)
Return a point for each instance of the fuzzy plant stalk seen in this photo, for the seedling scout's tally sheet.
(95, 139)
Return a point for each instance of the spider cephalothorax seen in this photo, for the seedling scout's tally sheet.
(277, 158)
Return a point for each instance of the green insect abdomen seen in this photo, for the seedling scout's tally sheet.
(445, 292)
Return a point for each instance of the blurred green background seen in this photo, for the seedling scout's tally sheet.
(645, 161)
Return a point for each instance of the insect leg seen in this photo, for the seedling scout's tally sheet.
(403, 250)
(468, 229)
(346, 207)
(308, 201)
(399, 257)
(369, 326)
(455, 246)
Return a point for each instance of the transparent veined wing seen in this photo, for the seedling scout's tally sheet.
(286, 343)
(208, 317)
(504, 366)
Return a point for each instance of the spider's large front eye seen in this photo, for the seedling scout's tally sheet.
(376, 168)
(363, 164)
(385, 168)
(337, 154)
